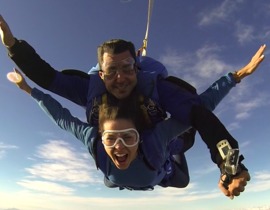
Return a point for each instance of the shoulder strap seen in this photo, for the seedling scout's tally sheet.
(182, 84)
(75, 72)
(189, 135)
(92, 145)
(146, 161)
(99, 155)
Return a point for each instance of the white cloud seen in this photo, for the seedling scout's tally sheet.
(59, 161)
(209, 62)
(227, 12)
(245, 144)
(4, 148)
(46, 187)
(260, 182)
(243, 109)
(58, 164)
(198, 68)
(242, 115)
(220, 13)
(265, 34)
(244, 33)
(7, 146)
(233, 126)
(160, 198)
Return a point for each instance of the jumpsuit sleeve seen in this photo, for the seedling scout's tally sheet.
(71, 87)
(63, 118)
(211, 131)
(217, 91)
(177, 100)
(188, 109)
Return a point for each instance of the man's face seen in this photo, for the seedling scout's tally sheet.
(118, 72)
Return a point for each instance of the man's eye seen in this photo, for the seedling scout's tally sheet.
(110, 73)
(127, 69)
(111, 69)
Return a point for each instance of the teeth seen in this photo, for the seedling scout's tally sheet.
(120, 155)
(123, 86)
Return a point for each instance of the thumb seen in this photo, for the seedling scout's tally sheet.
(225, 191)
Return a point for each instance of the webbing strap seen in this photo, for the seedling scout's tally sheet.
(150, 8)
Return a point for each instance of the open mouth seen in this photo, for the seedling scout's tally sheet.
(121, 158)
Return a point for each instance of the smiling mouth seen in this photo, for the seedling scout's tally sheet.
(121, 158)
(122, 87)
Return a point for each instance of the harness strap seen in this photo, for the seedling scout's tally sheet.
(144, 110)
(104, 99)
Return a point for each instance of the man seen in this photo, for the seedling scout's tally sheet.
(168, 95)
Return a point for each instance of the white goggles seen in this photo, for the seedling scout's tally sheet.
(129, 137)
(125, 66)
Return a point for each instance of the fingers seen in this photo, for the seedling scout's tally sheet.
(236, 186)
(7, 37)
(2, 23)
(261, 51)
(262, 48)
(259, 54)
(1, 19)
(225, 191)
(237, 191)
(247, 176)
(17, 71)
(239, 183)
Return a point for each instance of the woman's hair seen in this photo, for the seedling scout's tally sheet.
(128, 109)
(115, 46)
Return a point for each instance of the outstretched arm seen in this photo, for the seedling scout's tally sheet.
(63, 118)
(219, 89)
(71, 87)
(59, 115)
(212, 132)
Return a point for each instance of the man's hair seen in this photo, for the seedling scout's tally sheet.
(115, 46)
(128, 109)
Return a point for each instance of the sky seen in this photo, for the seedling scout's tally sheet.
(45, 168)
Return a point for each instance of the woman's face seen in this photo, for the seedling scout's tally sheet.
(121, 155)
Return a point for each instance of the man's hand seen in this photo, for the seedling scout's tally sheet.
(236, 186)
(7, 37)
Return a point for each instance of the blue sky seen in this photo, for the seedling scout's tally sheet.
(44, 168)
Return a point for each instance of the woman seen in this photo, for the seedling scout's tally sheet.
(127, 159)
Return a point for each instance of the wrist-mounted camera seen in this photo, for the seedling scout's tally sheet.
(231, 165)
